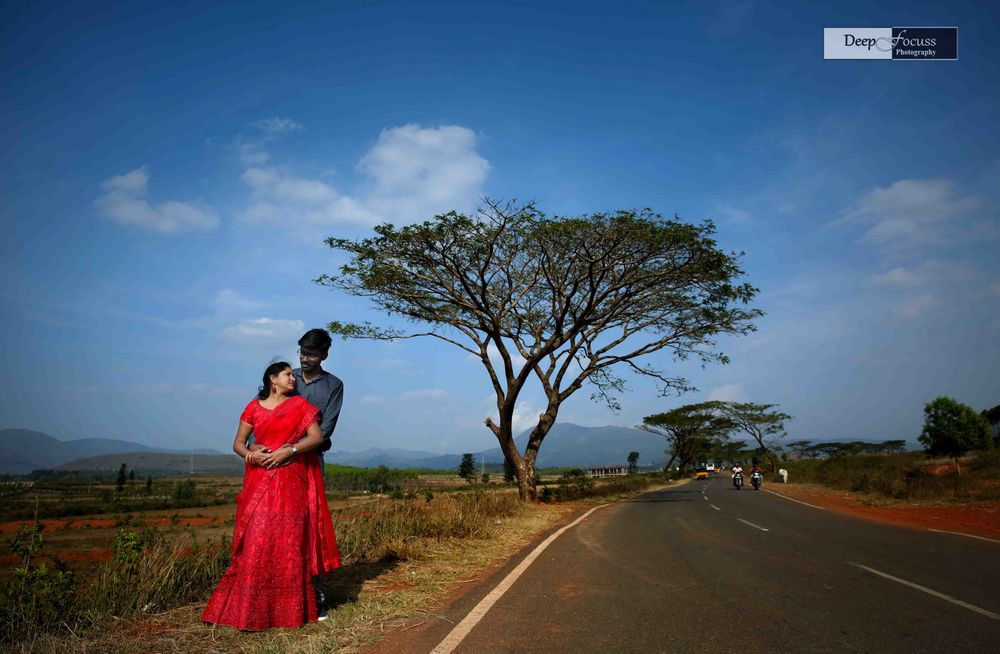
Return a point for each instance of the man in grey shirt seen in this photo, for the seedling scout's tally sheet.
(321, 388)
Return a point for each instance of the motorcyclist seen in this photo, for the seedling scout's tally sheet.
(756, 470)
(737, 468)
(756, 476)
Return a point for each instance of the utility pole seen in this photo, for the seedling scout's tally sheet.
(192, 463)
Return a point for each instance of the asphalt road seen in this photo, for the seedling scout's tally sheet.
(705, 566)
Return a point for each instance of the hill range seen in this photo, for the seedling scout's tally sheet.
(566, 445)
(24, 450)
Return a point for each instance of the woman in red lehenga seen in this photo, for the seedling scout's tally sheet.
(284, 536)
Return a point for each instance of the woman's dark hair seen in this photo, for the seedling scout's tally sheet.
(265, 389)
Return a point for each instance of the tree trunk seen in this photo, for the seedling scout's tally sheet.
(958, 468)
(666, 468)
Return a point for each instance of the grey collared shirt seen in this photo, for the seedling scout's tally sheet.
(325, 392)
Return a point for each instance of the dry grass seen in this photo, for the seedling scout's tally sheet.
(403, 560)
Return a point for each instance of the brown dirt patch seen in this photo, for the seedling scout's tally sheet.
(977, 519)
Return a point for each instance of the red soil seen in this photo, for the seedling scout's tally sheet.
(51, 525)
(979, 519)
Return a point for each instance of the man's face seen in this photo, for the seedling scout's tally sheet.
(310, 360)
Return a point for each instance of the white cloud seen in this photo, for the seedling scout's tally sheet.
(516, 360)
(928, 274)
(425, 394)
(265, 329)
(728, 393)
(993, 290)
(228, 302)
(525, 416)
(278, 125)
(413, 173)
(916, 306)
(911, 213)
(897, 277)
(734, 215)
(124, 201)
(418, 172)
(372, 399)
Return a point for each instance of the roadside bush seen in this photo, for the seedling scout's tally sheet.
(906, 476)
(145, 573)
(574, 487)
(38, 595)
(149, 573)
(404, 529)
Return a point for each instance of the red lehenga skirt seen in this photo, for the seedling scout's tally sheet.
(283, 536)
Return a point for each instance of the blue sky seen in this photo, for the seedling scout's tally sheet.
(169, 174)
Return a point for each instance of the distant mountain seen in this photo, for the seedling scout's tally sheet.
(565, 445)
(24, 450)
(374, 457)
(159, 463)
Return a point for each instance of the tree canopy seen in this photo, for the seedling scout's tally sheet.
(952, 429)
(759, 421)
(692, 431)
(568, 300)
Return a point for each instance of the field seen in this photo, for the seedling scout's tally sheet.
(908, 476)
(98, 581)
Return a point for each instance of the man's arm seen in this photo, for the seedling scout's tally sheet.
(331, 413)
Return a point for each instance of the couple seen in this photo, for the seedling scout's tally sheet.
(283, 539)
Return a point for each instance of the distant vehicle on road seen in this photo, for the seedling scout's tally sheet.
(701, 473)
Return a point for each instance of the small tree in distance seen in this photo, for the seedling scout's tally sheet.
(692, 431)
(120, 480)
(760, 422)
(952, 429)
(467, 468)
(508, 471)
(633, 462)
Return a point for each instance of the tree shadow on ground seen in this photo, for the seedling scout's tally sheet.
(343, 585)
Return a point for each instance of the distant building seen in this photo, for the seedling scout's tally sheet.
(608, 471)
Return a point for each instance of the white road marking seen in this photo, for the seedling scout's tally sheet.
(947, 598)
(705, 497)
(792, 499)
(752, 524)
(958, 533)
(715, 507)
(462, 629)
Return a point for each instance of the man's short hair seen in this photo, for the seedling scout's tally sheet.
(316, 339)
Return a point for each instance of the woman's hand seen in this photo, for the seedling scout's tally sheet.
(277, 458)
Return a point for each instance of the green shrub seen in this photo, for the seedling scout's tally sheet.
(37, 597)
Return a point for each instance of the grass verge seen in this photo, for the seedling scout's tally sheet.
(403, 558)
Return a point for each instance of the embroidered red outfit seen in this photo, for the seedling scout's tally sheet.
(283, 536)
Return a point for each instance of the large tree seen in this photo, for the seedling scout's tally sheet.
(692, 431)
(952, 429)
(759, 421)
(570, 301)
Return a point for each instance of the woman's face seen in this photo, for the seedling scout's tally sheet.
(284, 381)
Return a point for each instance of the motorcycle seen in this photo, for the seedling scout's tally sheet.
(756, 479)
(738, 480)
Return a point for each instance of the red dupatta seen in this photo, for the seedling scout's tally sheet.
(287, 424)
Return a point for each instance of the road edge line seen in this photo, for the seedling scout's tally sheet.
(792, 499)
(747, 522)
(462, 629)
(958, 533)
(929, 591)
